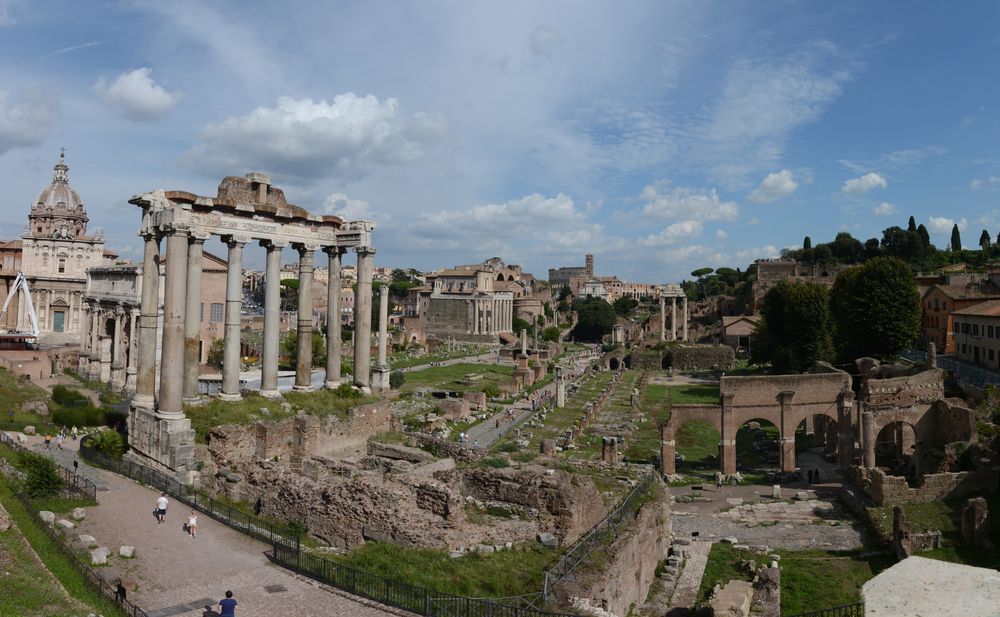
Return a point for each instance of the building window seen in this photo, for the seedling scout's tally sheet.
(216, 312)
(989, 331)
(62, 265)
(975, 329)
(201, 312)
(991, 355)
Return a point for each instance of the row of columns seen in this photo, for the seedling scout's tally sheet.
(117, 366)
(182, 320)
(673, 318)
(492, 315)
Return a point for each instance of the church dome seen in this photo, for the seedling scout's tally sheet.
(58, 211)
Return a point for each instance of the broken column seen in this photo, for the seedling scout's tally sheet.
(976, 523)
(333, 342)
(668, 449)
(868, 439)
(363, 320)
(560, 387)
(380, 376)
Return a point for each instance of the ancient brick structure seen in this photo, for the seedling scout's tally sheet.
(976, 523)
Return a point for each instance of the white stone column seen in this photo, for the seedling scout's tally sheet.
(663, 318)
(95, 350)
(673, 319)
(333, 342)
(231, 333)
(685, 318)
(303, 335)
(363, 319)
(272, 319)
(133, 350)
(172, 361)
(145, 381)
(192, 318)
(118, 350)
(380, 378)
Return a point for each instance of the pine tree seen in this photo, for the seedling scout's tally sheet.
(912, 225)
(807, 243)
(956, 238)
(984, 240)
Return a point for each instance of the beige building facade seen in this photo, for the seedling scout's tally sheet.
(977, 334)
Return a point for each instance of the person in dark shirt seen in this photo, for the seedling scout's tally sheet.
(227, 607)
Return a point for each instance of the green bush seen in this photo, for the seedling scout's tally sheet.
(69, 397)
(78, 416)
(491, 390)
(396, 379)
(109, 443)
(346, 391)
(496, 462)
(42, 478)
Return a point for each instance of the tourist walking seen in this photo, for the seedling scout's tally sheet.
(48, 441)
(121, 594)
(193, 524)
(227, 606)
(59, 440)
(161, 508)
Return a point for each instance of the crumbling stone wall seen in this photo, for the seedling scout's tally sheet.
(886, 490)
(922, 388)
(628, 572)
(702, 357)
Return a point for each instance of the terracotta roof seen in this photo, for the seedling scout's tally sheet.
(964, 292)
(12, 244)
(985, 309)
(220, 262)
(728, 320)
(459, 272)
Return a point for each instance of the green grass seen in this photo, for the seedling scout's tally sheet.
(54, 560)
(506, 573)
(14, 392)
(644, 443)
(694, 394)
(405, 360)
(215, 412)
(697, 440)
(104, 391)
(453, 377)
(810, 579)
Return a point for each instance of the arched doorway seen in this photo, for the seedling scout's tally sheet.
(614, 363)
(697, 449)
(627, 361)
(896, 449)
(500, 277)
(757, 447)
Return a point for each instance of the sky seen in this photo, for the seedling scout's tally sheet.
(660, 136)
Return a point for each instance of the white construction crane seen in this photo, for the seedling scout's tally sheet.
(21, 283)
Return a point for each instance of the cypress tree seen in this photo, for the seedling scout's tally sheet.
(956, 238)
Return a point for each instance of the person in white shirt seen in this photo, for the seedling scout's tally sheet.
(193, 524)
(161, 508)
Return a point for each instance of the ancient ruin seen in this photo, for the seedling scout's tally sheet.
(245, 210)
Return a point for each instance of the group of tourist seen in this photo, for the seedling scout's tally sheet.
(60, 438)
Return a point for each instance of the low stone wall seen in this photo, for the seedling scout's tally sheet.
(886, 490)
(702, 357)
(629, 570)
(443, 448)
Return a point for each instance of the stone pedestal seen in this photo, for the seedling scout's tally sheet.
(380, 377)
(166, 442)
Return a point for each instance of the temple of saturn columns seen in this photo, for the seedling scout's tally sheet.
(673, 292)
(245, 211)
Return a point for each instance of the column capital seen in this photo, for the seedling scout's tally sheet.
(273, 244)
(235, 241)
(198, 237)
(119, 311)
(334, 250)
(305, 248)
(175, 229)
(150, 233)
(364, 251)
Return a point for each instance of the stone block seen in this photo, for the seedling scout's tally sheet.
(86, 541)
(127, 552)
(4, 519)
(548, 540)
(78, 514)
(64, 524)
(49, 518)
(801, 496)
(486, 549)
(776, 491)
(29, 430)
(35, 407)
(99, 556)
(729, 540)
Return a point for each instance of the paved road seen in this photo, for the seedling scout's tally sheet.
(177, 575)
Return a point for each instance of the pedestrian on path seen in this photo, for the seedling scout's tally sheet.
(120, 592)
(48, 441)
(59, 440)
(193, 524)
(161, 508)
(227, 606)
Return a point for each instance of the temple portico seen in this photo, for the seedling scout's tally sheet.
(673, 292)
(245, 211)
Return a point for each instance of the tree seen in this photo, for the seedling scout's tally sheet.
(595, 318)
(911, 225)
(925, 237)
(876, 309)
(215, 353)
(846, 249)
(625, 305)
(956, 238)
(564, 293)
(795, 328)
(551, 334)
(822, 253)
(519, 324)
(41, 476)
(396, 379)
(807, 243)
(984, 240)
(289, 348)
(872, 248)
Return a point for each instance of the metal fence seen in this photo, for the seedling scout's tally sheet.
(74, 484)
(847, 610)
(90, 577)
(973, 374)
(413, 598)
(601, 534)
(226, 514)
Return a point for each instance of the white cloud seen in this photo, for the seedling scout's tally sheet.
(687, 203)
(867, 182)
(25, 117)
(885, 209)
(943, 225)
(774, 187)
(349, 209)
(135, 95)
(753, 221)
(768, 251)
(895, 160)
(544, 42)
(673, 233)
(763, 102)
(721, 234)
(976, 184)
(313, 139)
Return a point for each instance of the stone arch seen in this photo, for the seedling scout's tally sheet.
(500, 277)
(627, 361)
(510, 277)
(747, 436)
(614, 363)
(896, 446)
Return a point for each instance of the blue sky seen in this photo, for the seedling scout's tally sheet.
(660, 136)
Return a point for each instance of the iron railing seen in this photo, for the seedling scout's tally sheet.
(412, 598)
(847, 610)
(90, 577)
(969, 372)
(73, 483)
(226, 514)
(600, 535)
